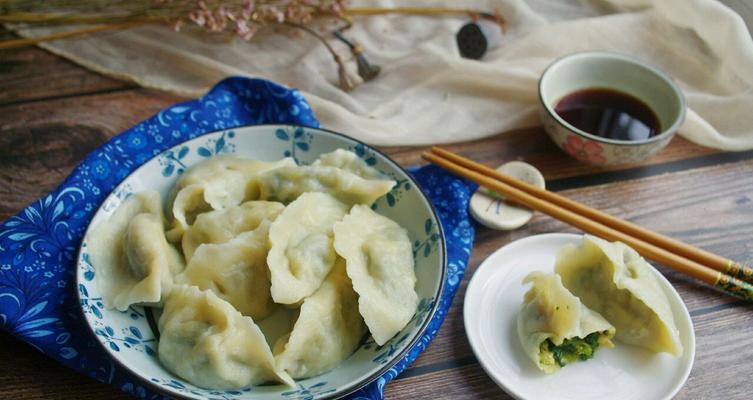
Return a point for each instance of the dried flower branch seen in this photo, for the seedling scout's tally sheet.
(243, 18)
(346, 81)
(212, 15)
(18, 43)
(366, 70)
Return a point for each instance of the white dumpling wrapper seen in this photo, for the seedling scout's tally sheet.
(204, 340)
(301, 253)
(236, 271)
(327, 331)
(219, 182)
(187, 204)
(132, 260)
(348, 161)
(615, 281)
(380, 263)
(285, 184)
(550, 311)
(220, 226)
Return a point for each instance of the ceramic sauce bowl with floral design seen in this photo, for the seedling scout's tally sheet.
(602, 71)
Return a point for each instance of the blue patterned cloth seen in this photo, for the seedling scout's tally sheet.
(38, 245)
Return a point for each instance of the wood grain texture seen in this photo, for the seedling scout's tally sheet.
(29, 375)
(45, 140)
(636, 201)
(533, 146)
(52, 113)
(41, 142)
(721, 194)
(31, 74)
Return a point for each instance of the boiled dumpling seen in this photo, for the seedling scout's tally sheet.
(380, 264)
(133, 262)
(328, 329)
(348, 161)
(236, 271)
(301, 253)
(614, 280)
(204, 340)
(555, 328)
(222, 225)
(214, 184)
(285, 184)
(186, 206)
(227, 179)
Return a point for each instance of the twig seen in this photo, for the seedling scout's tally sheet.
(62, 19)
(366, 70)
(316, 35)
(49, 18)
(346, 83)
(115, 22)
(361, 11)
(16, 43)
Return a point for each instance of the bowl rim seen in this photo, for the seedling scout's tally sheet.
(349, 389)
(635, 63)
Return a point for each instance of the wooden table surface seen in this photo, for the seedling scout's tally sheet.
(52, 113)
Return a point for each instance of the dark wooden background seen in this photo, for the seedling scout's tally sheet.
(52, 113)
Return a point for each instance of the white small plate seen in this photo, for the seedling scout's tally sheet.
(492, 302)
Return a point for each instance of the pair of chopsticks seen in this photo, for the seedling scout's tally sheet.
(727, 275)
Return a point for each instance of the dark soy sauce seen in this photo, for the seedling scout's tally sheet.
(609, 113)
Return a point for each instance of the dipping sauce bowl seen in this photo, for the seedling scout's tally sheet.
(600, 72)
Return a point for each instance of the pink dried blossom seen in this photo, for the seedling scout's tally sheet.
(197, 17)
(243, 30)
(217, 15)
(277, 14)
(247, 9)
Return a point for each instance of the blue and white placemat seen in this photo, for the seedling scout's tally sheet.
(38, 245)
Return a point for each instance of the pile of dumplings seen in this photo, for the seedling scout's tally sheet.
(600, 290)
(255, 236)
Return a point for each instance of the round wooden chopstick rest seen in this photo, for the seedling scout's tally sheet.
(727, 283)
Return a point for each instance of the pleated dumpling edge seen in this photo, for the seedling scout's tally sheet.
(614, 280)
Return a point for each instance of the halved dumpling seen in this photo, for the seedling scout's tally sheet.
(614, 280)
(555, 328)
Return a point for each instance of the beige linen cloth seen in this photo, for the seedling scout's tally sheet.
(427, 93)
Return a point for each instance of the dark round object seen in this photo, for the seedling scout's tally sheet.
(472, 42)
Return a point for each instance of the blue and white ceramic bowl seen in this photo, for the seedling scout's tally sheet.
(130, 337)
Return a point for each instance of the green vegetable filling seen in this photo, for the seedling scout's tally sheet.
(570, 350)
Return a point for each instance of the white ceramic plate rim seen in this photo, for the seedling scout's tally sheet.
(342, 391)
(474, 291)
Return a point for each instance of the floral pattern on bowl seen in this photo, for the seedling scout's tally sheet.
(597, 152)
(129, 336)
(615, 72)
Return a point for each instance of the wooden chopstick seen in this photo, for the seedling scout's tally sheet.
(696, 254)
(721, 280)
